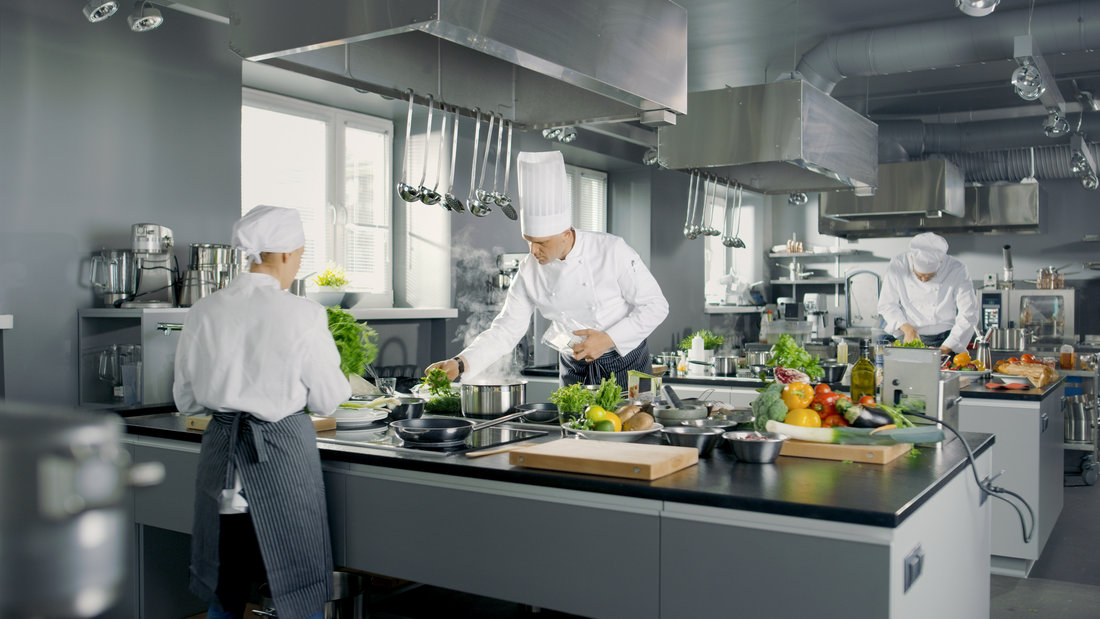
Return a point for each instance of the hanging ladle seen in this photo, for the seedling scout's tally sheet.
(696, 228)
(478, 206)
(449, 198)
(431, 196)
(502, 199)
(407, 192)
(484, 198)
(691, 203)
(737, 242)
(710, 230)
(727, 219)
(493, 195)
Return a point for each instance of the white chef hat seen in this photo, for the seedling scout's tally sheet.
(927, 251)
(543, 194)
(268, 229)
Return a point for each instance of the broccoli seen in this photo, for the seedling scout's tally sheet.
(768, 406)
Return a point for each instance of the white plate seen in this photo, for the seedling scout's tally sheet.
(970, 373)
(618, 437)
(1009, 378)
(346, 417)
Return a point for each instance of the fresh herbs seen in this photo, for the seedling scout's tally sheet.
(786, 353)
(572, 399)
(438, 384)
(710, 340)
(609, 393)
(914, 344)
(444, 404)
(354, 341)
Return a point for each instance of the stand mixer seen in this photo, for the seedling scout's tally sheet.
(154, 285)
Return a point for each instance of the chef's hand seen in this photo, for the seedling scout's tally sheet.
(946, 350)
(595, 344)
(450, 366)
(909, 332)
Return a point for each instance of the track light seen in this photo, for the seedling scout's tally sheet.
(650, 157)
(99, 10)
(144, 19)
(797, 199)
(551, 134)
(1055, 125)
(1081, 162)
(566, 134)
(977, 8)
(1028, 82)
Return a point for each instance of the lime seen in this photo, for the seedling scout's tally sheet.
(604, 425)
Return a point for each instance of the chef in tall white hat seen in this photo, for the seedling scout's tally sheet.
(928, 295)
(602, 299)
(255, 356)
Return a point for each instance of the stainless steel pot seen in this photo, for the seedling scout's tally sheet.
(1010, 339)
(725, 366)
(487, 401)
(196, 284)
(757, 357)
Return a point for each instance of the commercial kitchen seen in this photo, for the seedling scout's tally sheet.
(766, 161)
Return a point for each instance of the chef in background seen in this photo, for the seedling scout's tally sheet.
(927, 294)
(255, 356)
(575, 278)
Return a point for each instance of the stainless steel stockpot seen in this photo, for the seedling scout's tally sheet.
(487, 401)
(1010, 339)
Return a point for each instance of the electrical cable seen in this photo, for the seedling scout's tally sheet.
(987, 486)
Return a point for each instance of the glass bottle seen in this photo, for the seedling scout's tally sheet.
(765, 319)
(863, 373)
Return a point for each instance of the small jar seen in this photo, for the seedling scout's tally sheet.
(1069, 359)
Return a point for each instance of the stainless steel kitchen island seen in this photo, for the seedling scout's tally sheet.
(833, 538)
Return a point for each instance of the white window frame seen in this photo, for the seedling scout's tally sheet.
(336, 211)
(576, 174)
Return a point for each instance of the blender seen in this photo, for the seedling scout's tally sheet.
(153, 273)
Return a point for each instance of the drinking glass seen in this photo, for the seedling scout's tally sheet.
(387, 385)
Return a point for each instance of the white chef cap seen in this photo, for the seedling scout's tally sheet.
(268, 229)
(543, 194)
(927, 251)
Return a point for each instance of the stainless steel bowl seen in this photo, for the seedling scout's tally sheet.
(760, 447)
(756, 369)
(834, 372)
(703, 439)
(712, 423)
(664, 413)
(409, 408)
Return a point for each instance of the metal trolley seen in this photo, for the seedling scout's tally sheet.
(1081, 422)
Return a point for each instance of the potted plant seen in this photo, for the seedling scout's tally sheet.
(711, 342)
(330, 285)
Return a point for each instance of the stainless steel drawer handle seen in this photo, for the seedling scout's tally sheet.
(169, 327)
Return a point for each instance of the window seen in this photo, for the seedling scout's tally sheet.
(334, 167)
(588, 195)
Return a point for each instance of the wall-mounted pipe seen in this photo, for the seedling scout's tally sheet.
(1012, 165)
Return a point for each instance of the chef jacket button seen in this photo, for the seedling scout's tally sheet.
(584, 284)
(592, 309)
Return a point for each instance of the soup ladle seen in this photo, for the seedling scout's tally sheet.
(431, 196)
(727, 219)
(481, 202)
(502, 199)
(476, 206)
(407, 192)
(690, 207)
(449, 198)
(737, 242)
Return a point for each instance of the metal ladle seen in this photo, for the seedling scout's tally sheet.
(727, 219)
(690, 205)
(484, 198)
(502, 199)
(477, 207)
(494, 195)
(737, 242)
(449, 198)
(710, 230)
(696, 228)
(407, 192)
(431, 196)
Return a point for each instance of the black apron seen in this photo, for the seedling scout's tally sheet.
(572, 371)
(280, 471)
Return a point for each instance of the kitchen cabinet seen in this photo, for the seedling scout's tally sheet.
(1030, 437)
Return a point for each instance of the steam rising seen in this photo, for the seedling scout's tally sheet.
(476, 292)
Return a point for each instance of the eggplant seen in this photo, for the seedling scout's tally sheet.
(866, 416)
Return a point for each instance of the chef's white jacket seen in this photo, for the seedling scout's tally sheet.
(255, 348)
(602, 284)
(945, 302)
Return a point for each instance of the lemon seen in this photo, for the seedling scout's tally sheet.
(596, 413)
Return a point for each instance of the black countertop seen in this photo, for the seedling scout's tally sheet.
(868, 494)
(977, 389)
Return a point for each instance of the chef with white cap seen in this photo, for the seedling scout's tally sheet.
(928, 295)
(255, 356)
(591, 279)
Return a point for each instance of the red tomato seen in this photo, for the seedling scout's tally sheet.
(1028, 358)
(1013, 360)
(867, 400)
(831, 421)
(822, 388)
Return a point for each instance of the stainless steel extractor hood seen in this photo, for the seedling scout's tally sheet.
(931, 189)
(540, 64)
(782, 137)
(1009, 208)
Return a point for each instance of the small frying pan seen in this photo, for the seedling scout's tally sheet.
(443, 429)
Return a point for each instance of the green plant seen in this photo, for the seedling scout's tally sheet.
(354, 341)
(710, 340)
(333, 275)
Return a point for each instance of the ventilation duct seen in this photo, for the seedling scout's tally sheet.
(1059, 28)
(904, 140)
(782, 137)
(541, 64)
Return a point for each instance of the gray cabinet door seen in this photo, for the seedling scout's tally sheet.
(170, 504)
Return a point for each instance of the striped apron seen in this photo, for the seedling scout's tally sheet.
(572, 371)
(280, 471)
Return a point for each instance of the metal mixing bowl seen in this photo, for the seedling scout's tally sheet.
(762, 448)
(712, 423)
(834, 372)
(756, 369)
(665, 414)
(409, 408)
(703, 439)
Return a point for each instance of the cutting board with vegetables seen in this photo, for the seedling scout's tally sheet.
(630, 460)
(873, 454)
(199, 422)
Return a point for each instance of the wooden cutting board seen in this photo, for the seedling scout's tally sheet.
(873, 454)
(199, 422)
(631, 460)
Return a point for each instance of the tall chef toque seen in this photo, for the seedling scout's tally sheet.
(927, 251)
(268, 229)
(543, 194)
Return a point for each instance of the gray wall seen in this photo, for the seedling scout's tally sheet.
(101, 128)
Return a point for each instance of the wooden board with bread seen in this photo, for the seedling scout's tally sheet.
(1040, 375)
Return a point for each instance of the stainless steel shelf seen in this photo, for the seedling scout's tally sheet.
(832, 281)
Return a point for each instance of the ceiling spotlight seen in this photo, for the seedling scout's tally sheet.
(1028, 82)
(551, 134)
(99, 10)
(568, 136)
(144, 19)
(1055, 125)
(797, 199)
(650, 157)
(977, 8)
(1089, 182)
(1081, 163)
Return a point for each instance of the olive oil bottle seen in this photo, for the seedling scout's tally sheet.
(863, 373)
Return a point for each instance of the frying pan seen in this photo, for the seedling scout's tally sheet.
(539, 412)
(443, 429)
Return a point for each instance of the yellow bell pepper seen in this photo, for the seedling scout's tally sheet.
(797, 395)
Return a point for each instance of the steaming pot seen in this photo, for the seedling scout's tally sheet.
(488, 401)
